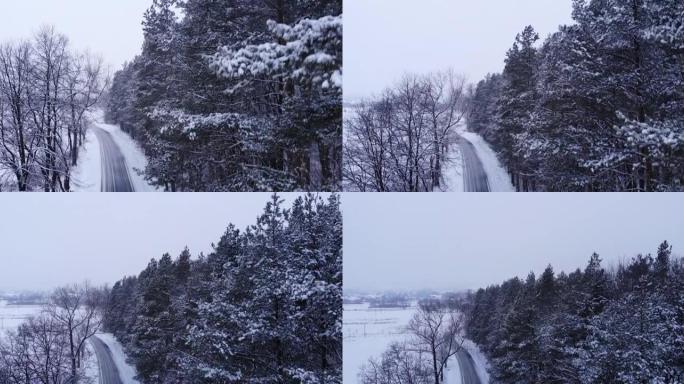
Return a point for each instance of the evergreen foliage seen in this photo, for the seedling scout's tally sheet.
(236, 95)
(598, 106)
(265, 306)
(590, 326)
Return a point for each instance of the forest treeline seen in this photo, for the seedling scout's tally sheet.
(264, 307)
(236, 95)
(597, 325)
(46, 92)
(401, 141)
(599, 106)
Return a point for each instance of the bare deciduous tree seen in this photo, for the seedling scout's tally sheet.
(49, 348)
(398, 365)
(45, 93)
(444, 97)
(437, 331)
(435, 336)
(83, 88)
(76, 309)
(17, 136)
(401, 140)
(35, 353)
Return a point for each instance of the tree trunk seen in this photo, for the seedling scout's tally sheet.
(73, 354)
(437, 172)
(315, 167)
(434, 365)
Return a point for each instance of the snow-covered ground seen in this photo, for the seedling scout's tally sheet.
(6, 180)
(453, 171)
(90, 366)
(11, 316)
(135, 158)
(367, 333)
(87, 175)
(481, 362)
(89, 171)
(452, 373)
(499, 180)
(126, 371)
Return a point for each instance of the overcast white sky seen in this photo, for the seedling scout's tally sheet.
(383, 39)
(461, 241)
(111, 28)
(50, 240)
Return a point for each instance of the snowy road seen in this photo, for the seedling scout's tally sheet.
(467, 365)
(474, 175)
(115, 177)
(109, 374)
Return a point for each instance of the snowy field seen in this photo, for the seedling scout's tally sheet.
(11, 316)
(369, 331)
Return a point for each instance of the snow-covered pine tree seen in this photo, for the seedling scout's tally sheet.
(606, 111)
(264, 306)
(302, 64)
(153, 330)
(274, 130)
(315, 231)
(592, 325)
(517, 356)
(483, 106)
(518, 96)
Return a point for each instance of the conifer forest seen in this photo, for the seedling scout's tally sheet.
(241, 134)
(236, 96)
(221, 96)
(596, 106)
(596, 324)
(264, 307)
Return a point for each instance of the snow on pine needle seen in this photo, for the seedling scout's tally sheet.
(311, 54)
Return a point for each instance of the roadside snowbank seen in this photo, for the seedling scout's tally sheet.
(499, 180)
(453, 174)
(90, 366)
(126, 371)
(452, 373)
(135, 158)
(87, 176)
(481, 363)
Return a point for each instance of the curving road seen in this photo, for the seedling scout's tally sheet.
(467, 365)
(474, 175)
(115, 177)
(109, 374)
